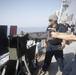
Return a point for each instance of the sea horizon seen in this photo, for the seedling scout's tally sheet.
(28, 29)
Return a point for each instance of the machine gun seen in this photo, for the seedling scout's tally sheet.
(18, 55)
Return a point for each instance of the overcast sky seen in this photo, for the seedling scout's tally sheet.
(27, 13)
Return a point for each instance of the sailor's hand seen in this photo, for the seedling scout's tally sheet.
(62, 47)
(54, 34)
(45, 45)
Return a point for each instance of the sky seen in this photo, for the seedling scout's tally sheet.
(27, 13)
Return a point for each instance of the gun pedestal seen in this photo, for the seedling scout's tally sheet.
(19, 61)
(17, 50)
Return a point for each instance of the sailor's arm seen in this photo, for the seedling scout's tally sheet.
(63, 36)
(45, 43)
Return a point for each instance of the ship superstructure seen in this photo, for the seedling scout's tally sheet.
(68, 12)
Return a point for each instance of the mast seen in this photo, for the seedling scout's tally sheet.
(64, 6)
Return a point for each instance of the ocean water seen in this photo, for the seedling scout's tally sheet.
(32, 29)
(29, 29)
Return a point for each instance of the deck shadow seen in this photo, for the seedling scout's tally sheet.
(68, 57)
